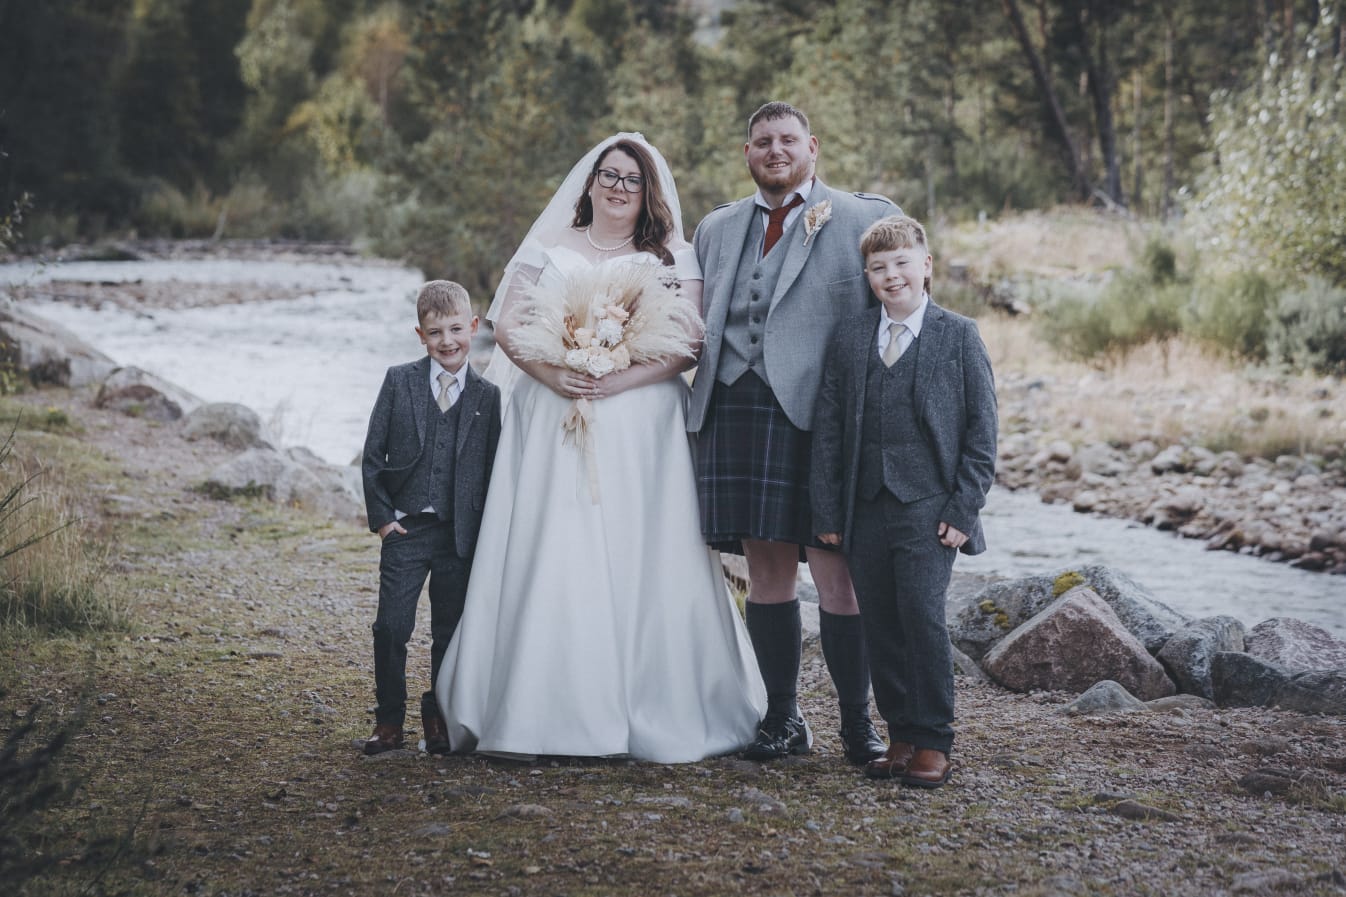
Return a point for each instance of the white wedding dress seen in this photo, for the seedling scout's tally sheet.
(598, 629)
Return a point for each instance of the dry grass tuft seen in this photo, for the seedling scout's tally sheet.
(1065, 242)
(1180, 393)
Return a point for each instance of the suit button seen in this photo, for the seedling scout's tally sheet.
(757, 275)
(754, 340)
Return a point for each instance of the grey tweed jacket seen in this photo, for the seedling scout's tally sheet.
(955, 405)
(395, 443)
(819, 284)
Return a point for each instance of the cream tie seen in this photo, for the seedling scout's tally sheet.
(448, 390)
(893, 350)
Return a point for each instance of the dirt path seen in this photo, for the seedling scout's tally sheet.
(223, 727)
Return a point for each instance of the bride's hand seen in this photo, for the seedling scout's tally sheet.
(566, 383)
(638, 375)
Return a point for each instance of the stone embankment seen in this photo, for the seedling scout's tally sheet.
(1078, 629)
(1291, 509)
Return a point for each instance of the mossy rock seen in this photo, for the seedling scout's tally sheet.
(1067, 581)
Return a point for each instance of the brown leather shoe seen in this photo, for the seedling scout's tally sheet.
(893, 763)
(386, 737)
(436, 735)
(927, 768)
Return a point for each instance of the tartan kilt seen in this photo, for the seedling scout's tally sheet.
(752, 470)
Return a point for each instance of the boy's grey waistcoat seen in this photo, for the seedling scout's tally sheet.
(817, 286)
(894, 455)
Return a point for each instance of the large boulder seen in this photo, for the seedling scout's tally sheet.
(139, 393)
(1003, 606)
(294, 477)
(1073, 643)
(1241, 680)
(1147, 618)
(234, 426)
(1318, 691)
(47, 353)
(1296, 646)
(1187, 655)
(996, 611)
(1103, 698)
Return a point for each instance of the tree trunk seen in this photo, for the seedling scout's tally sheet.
(1101, 89)
(1137, 167)
(1060, 127)
(1166, 201)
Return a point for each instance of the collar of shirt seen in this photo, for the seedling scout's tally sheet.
(436, 369)
(803, 191)
(912, 322)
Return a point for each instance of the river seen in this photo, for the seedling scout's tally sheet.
(311, 366)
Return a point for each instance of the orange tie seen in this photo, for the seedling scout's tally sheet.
(775, 223)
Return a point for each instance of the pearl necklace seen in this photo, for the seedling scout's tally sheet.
(622, 245)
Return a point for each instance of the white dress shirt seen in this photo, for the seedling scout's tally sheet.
(912, 324)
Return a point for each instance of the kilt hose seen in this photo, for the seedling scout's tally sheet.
(752, 470)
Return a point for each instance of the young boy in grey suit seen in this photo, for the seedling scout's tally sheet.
(426, 465)
(904, 447)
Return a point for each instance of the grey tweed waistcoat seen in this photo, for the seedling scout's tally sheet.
(745, 324)
(431, 481)
(893, 453)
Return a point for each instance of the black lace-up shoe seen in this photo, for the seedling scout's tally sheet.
(861, 740)
(780, 735)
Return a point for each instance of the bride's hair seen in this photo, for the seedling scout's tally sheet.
(654, 227)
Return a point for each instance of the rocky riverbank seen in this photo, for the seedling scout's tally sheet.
(1291, 508)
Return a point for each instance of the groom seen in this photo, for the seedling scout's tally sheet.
(781, 269)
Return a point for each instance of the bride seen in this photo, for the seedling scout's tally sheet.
(597, 623)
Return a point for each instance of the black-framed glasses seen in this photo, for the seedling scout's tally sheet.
(632, 183)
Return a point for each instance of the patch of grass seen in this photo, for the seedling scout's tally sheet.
(220, 492)
(54, 419)
(54, 563)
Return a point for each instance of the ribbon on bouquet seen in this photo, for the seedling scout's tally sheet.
(576, 424)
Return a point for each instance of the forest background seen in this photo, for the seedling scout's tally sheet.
(434, 130)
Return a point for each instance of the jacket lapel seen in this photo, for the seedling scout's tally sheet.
(419, 384)
(930, 351)
(862, 346)
(733, 238)
(469, 399)
(796, 252)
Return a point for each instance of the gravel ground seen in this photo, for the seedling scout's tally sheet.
(224, 729)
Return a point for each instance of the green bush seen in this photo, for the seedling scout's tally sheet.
(346, 207)
(1231, 313)
(1278, 187)
(1307, 328)
(1133, 308)
(166, 211)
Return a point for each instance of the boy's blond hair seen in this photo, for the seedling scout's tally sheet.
(444, 298)
(893, 232)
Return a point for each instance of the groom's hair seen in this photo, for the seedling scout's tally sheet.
(774, 110)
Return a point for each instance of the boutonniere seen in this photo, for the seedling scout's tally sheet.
(815, 218)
